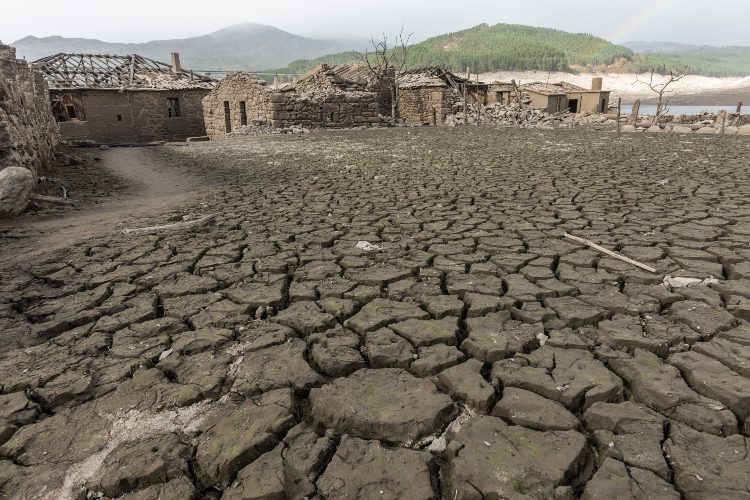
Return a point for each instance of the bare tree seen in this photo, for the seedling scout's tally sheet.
(385, 62)
(660, 87)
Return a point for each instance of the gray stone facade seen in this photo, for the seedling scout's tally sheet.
(28, 132)
(338, 97)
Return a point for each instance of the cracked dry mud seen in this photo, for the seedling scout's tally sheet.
(467, 352)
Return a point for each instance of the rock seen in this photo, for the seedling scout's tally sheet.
(707, 466)
(16, 187)
(730, 354)
(382, 312)
(275, 367)
(574, 312)
(714, 380)
(366, 469)
(705, 319)
(16, 408)
(435, 358)
(501, 461)
(385, 349)
(305, 318)
(243, 435)
(570, 376)
(387, 404)
(465, 383)
(335, 352)
(496, 336)
(177, 489)
(661, 387)
(531, 410)
(615, 481)
(138, 464)
(428, 332)
(631, 433)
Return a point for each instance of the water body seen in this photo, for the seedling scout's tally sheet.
(650, 109)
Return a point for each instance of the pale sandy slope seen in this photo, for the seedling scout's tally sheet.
(622, 85)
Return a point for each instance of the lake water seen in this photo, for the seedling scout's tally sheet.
(650, 109)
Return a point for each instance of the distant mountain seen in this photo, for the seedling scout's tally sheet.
(246, 46)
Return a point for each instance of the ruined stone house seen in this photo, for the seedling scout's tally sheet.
(326, 97)
(124, 99)
(28, 133)
(430, 95)
(563, 96)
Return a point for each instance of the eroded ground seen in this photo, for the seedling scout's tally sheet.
(394, 314)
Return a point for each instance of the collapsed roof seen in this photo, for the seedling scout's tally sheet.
(350, 77)
(436, 76)
(96, 71)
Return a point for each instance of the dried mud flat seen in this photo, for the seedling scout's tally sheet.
(394, 314)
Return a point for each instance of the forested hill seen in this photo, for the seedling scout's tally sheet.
(503, 46)
(515, 47)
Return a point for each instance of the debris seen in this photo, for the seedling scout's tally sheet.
(610, 252)
(165, 354)
(542, 338)
(172, 228)
(681, 282)
(715, 407)
(366, 246)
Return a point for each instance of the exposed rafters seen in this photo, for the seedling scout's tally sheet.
(96, 71)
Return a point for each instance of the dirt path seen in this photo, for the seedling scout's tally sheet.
(153, 188)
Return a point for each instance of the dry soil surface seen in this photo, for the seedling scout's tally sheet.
(390, 314)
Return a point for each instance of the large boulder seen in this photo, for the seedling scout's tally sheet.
(16, 187)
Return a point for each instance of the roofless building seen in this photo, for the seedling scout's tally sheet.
(111, 99)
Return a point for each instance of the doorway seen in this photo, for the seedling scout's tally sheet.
(227, 117)
(573, 105)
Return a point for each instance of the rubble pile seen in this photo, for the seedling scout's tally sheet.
(28, 132)
(500, 114)
(701, 123)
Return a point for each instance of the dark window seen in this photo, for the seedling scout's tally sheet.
(243, 113)
(173, 107)
(119, 118)
(71, 111)
(227, 117)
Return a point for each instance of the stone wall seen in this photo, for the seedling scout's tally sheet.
(132, 116)
(28, 132)
(416, 104)
(309, 106)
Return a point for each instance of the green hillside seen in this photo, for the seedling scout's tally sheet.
(710, 61)
(503, 46)
(512, 47)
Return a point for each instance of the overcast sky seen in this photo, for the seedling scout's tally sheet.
(718, 22)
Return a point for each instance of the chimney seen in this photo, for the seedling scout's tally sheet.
(596, 83)
(176, 63)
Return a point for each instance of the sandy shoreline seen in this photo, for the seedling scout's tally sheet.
(717, 90)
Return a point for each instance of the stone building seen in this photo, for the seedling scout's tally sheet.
(326, 97)
(28, 133)
(500, 93)
(124, 99)
(562, 96)
(429, 95)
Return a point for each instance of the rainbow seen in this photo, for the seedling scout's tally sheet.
(623, 31)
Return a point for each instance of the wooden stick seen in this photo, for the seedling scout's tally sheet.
(172, 228)
(609, 252)
(619, 107)
(51, 199)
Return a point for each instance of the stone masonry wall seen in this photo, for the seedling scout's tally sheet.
(134, 116)
(416, 104)
(28, 132)
(311, 108)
